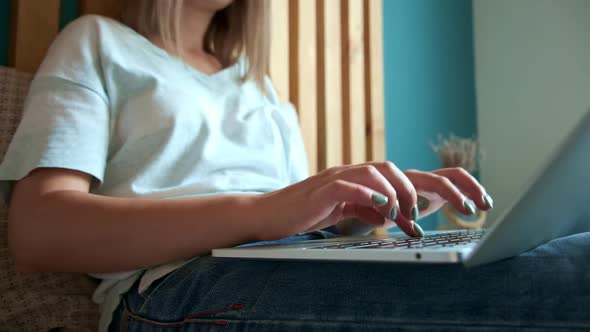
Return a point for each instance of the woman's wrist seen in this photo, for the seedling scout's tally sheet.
(251, 212)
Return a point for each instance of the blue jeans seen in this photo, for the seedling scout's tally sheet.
(546, 289)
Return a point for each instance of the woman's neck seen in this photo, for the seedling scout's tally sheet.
(193, 27)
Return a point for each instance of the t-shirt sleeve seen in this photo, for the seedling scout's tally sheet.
(65, 120)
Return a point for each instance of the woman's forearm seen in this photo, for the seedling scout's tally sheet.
(81, 232)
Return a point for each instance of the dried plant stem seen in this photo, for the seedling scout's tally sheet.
(458, 152)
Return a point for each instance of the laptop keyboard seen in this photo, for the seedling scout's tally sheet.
(429, 241)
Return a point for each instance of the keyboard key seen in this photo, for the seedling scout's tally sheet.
(431, 241)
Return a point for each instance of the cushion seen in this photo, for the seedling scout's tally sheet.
(36, 301)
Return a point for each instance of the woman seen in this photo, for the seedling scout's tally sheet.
(146, 144)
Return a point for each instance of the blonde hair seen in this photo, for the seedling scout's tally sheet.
(240, 29)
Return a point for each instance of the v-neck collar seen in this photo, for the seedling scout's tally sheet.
(222, 74)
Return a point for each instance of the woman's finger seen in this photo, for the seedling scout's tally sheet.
(354, 219)
(332, 219)
(358, 219)
(406, 193)
(366, 214)
(391, 180)
(337, 191)
(429, 203)
(469, 185)
(409, 226)
(431, 182)
(385, 176)
(369, 176)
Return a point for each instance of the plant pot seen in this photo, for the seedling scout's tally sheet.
(451, 219)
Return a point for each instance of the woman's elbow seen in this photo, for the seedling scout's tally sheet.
(21, 244)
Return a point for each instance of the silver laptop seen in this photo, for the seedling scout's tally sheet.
(554, 203)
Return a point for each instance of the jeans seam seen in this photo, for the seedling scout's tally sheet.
(187, 320)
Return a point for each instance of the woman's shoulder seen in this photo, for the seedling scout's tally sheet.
(85, 45)
(93, 25)
(79, 52)
(87, 36)
(94, 33)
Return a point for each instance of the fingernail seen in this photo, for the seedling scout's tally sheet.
(415, 213)
(469, 205)
(393, 213)
(489, 201)
(423, 203)
(379, 199)
(418, 229)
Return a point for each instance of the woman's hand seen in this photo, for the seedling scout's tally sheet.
(453, 185)
(372, 192)
(376, 193)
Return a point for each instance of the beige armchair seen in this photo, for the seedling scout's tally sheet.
(36, 301)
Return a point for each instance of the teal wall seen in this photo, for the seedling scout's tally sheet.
(68, 12)
(4, 31)
(429, 79)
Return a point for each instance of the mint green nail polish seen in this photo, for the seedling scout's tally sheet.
(469, 205)
(423, 203)
(489, 201)
(418, 229)
(379, 199)
(415, 213)
(393, 213)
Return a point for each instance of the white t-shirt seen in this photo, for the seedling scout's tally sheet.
(108, 102)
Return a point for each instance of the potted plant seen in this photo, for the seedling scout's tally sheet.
(455, 151)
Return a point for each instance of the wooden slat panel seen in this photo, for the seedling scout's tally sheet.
(329, 84)
(374, 103)
(110, 8)
(303, 72)
(374, 90)
(279, 47)
(353, 80)
(34, 25)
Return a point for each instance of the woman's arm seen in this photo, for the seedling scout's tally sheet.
(55, 224)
